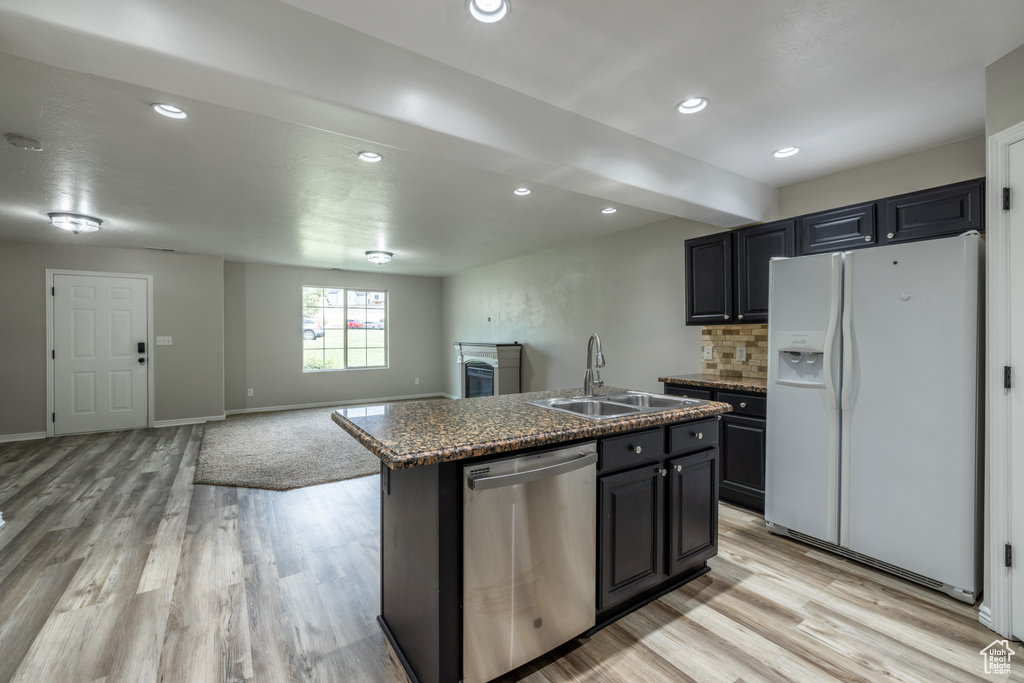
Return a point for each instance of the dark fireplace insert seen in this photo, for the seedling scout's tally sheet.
(479, 379)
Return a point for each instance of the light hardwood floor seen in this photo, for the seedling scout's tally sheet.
(113, 567)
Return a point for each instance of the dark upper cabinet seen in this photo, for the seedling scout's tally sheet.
(709, 279)
(939, 212)
(851, 227)
(755, 248)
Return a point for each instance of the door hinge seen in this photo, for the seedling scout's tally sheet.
(1008, 554)
(1006, 199)
(1007, 377)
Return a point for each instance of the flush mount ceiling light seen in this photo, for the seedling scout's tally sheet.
(692, 105)
(24, 142)
(609, 210)
(785, 152)
(73, 222)
(169, 110)
(521, 191)
(379, 257)
(488, 11)
(372, 157)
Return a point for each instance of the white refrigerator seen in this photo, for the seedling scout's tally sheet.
(874, 417)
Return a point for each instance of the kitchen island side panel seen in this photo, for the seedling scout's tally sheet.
(421, 515)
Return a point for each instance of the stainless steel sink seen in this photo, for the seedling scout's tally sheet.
(617, 404)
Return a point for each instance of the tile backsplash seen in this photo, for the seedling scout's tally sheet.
(725, 339)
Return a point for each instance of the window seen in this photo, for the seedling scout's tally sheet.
(344, 329)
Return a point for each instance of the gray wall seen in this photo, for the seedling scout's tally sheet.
(262, 319)
(962, 160)
(188, 305)
(1004, 96)
(627, 287)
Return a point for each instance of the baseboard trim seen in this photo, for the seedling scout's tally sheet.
(187, 421)
(29, 436)
(327, 404)
(985, 616)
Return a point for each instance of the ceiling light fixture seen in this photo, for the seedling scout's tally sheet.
(692, 105)
(169, 110)
(73, 222)
(521, 191)
(609, 210)
(24, 142)
(488, 11)
(372, 157)
(785, 152)
(379, 257)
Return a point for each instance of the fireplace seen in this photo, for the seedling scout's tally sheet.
(488, 369)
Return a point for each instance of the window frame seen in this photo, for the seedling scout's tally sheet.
(345, 330)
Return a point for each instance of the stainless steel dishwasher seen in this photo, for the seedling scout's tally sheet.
(529, 552)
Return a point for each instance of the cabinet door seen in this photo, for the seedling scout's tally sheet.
(693, 510)
(939, 212)
(755, 248)
(851, 227)
(631, 535)
(743, 459)
(709, 279)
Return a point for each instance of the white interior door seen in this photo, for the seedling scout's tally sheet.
(1015, 359)
(100, 353)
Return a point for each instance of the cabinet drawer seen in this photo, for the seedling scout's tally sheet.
(744, 404)
(630, 449)
(687, 392)
(693, 435)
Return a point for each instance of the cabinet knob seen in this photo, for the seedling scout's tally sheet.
(679, 468)
(867, 238)
(699, 435)
(635, 449)
(743, 405)
(890, 235)
(739, 317)
(726, 317)
(663, 472)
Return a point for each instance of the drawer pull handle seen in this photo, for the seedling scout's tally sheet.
(635, 449)
(890, 235)
(663, 472)
(743, 405)
(679, 468)
(699, 435)
(867, 238)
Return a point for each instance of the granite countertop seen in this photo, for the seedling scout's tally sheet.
(714, 381)
(413, 433)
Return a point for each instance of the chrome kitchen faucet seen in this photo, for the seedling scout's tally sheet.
(592, 378)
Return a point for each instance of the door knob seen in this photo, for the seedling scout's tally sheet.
(141, 361)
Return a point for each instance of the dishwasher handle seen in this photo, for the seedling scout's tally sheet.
(481, 482)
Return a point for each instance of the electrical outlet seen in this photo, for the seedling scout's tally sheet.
(417, 380)
(250, 392)
(741, 354)
(707, 351)
(164, 341)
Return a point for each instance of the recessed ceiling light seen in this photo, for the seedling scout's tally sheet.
(692, 105)
(24, 142)
(521, 191)
(169, 110)
(488, 11)
(785, 152)
(379, 257)
(73, 222)
(610, 209)
(372, 157)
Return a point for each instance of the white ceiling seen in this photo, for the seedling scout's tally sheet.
(574, 99)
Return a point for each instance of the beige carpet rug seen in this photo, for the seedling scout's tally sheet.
(281, 450)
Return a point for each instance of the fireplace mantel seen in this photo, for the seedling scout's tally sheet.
(504, 358)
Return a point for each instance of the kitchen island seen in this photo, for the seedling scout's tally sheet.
(654, 532)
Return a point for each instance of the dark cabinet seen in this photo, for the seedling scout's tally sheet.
(755, 248)
(657, 520)
(709, 278)
(940, 212)
(851, 227)
(631, 533)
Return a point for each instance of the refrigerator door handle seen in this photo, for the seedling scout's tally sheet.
(847, 399)
(831, 393)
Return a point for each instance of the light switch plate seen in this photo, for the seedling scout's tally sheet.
(741, 354)
(163, 341)
(707, 351)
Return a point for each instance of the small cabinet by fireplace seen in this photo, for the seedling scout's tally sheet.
(657, 514)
